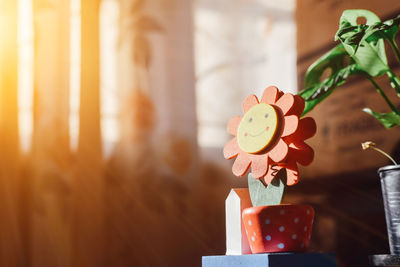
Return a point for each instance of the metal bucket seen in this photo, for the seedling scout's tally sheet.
(390, 182)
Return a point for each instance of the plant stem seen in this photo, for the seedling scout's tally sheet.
(394, 81)
(380, 91)
(385, 154)
(395, 49)
(370, 144)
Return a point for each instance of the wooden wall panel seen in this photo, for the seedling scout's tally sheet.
(346, 192)
(342, 125)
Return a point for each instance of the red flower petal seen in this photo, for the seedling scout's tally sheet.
(302, 153)
(290, 126)
(298, 106)
(241, 164)
(270, 95)
(279, 152)
(292, 173)
(249, 102)
(231, 149)
(233, 125)
(259, 165)
(307, 128)
(285, 103)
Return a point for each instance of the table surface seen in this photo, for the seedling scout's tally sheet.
(384, 260)
(272, 260)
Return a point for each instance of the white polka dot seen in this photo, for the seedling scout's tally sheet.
(281, 229)
(249, 222)
(305, 228)
(267, 221)
(281, 245)
(268, 237)
(296, 220)
(253, 238)
(254, 234)
(281, 212)
(308, 211)
(302, 245)
(294, 236)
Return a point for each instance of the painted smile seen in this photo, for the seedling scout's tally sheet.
(259, 123)
(255, 135)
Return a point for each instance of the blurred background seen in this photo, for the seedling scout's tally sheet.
(112, 123)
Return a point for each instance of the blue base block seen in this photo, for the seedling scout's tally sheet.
(272, 260)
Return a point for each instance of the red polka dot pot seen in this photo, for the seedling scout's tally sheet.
(280, 228)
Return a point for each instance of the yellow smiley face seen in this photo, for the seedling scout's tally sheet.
(257, 128)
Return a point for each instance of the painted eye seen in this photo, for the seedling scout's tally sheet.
(266, 115)
(251, 119)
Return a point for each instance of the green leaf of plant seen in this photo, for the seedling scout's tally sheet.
(382, 30)
(394, 81)
(388, 120)
(318, 92)
(262, 195)
(333, 60)
(369, 56)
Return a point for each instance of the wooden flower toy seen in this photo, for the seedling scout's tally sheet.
(269, 140)
(270, 136)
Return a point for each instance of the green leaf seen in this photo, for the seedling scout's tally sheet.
(369, 56)
(394, 82)
(315, 94)
(388, 120)
(333, 60)
(382, 30)
(262, 195)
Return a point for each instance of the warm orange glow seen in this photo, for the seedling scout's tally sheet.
(109, 22)
(25, 72)
(109, 17)
(75, 69)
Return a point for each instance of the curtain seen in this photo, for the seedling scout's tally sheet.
(10, 156)
(152, 172)
(138, 200)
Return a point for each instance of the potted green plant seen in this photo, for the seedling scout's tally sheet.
(390, 183)
(269, 140)
(361, 52)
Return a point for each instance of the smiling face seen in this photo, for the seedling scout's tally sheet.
(257, 128)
